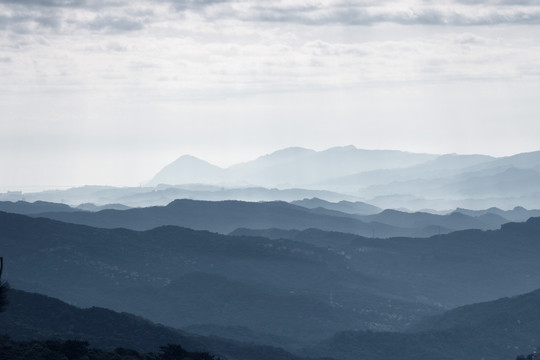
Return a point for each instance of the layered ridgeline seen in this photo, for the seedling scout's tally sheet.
(384, 178)
(182, 277)
(302, 288)
(497, 330)
(228, 216)
(35, 317)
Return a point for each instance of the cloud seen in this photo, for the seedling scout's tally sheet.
(115, 24)
(47, 3)
(456, 12)
(26, 23)
(195, 4)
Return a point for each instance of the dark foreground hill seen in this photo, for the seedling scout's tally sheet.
(496, 330)
(34, 317)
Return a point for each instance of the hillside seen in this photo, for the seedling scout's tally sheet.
(450, 269)
(33, 316)
(278, 287)
(497, 330)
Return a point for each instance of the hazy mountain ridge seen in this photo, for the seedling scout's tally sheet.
(382, 178)
(286, 167)
(227, 216)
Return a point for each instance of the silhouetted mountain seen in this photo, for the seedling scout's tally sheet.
(514, 314)
(37, 317)
(516, 214)
(278, 287)
(450, 270)
(224, 217)
(164, 194)
(291, 166)
(188, 169)
(227, 216)
(382, 178)
(454, 221)
(495, 330)
(358, 207)
(26, 208)
(94, 208)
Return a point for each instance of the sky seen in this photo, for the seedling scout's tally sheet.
(110, 91)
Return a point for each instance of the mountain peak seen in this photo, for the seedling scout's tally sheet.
(187, 169)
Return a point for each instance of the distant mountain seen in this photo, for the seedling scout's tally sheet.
(223, 217)
(188, 169)
(497, 330)
(381, 178)
(435, 168)
(37, 207)
(33, 316)
(453, 221)
(93, 207)
(290, 167)
(164, 194)
(227, 216)
(358, 207)
(517, 214)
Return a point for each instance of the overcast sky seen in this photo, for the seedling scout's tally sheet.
(110, 91)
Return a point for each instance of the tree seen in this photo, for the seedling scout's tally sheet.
(4, 286)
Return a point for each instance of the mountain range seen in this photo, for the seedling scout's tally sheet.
(381, 178)
(497, 330)
(227, 216)
(305, 287)
(253, 282)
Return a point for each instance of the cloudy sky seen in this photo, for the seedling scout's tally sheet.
(110, 91)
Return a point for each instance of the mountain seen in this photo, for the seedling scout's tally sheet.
(227, 216)
(290, 167)
(382, 178)
(448, 269)
(223, 217)
(37, 207)
(358, 207)
(453, 221)
(164, 194)
(497, 330)
(33, 316)
(277, 287)
(517, 214)
(437, 167)
(188, 169)
(302, 167)
(93, 207)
